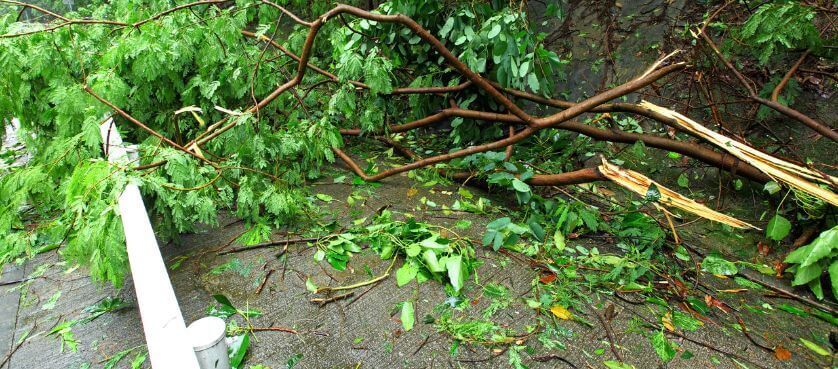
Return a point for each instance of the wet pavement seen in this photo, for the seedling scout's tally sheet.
(363, 330)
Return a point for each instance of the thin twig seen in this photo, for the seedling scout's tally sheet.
(610, 335)
(322, 301)
(264, 281)
(274, 329)
(269, 244)
(360, 284)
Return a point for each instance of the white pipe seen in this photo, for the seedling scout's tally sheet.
(168, 344)
(207, 337)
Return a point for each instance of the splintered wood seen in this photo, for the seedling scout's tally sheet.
(639, 184)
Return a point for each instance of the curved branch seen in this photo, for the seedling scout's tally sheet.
(586, 175)
(610, 107)
(753, 95)
(287, 12)
(775, 95)
(62, 25)
(693, 150)
(179, 7)
(580, 176)
(555, 120)
(145, 127)
(68, 21)
(35, 7)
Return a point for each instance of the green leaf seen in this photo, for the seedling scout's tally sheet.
(524, 68)
(772, 187)
(821, 247)
(499, 223)
(815, 347)
(778, 228)
(456, 274)
(683, 181)
(50, 304)
(833, 277)
(611, 364)
(310, 285)
(558, 239)
(793, 310)
(224, 301)
(499, 50)
(446, 28)
(377, 75)
(406, 273)
(116, 358)
(664, 348)
(537, 230)
(238, 349)
(431, 261)
(804, 275)
(520, 186)
(139, 360)
(532, 80)
(293, 361)
(816, 288)
(407, 316)
(716, 265)
(494, 31)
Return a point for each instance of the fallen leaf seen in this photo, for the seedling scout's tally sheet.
(610, 312)
(606, 192)
(680, 288)
(412, 192)
(781, 353)
(667, 322)
(711, 301)
(814, 347)
(763, 248)
(547, 278)
(561, 312)
(735, 290)
(779, 267)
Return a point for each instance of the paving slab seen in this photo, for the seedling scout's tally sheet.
(9, 301)
(364, 331)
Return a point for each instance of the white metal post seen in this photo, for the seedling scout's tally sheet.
(168, 344)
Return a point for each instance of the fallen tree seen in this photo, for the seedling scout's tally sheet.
(462, 71)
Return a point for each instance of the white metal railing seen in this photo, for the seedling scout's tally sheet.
(166, 336)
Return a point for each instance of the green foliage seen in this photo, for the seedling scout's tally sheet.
(780, 24)
(778, 228)
(186, 58)
(64, 330)
(198, 58)
(428, 254)
(716, 265)
(811, 261)
(407, 316)
(663, 347)
(95, 235)
(472, 330)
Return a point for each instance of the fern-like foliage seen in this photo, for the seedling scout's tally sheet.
(780, 25)
(65, 196)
